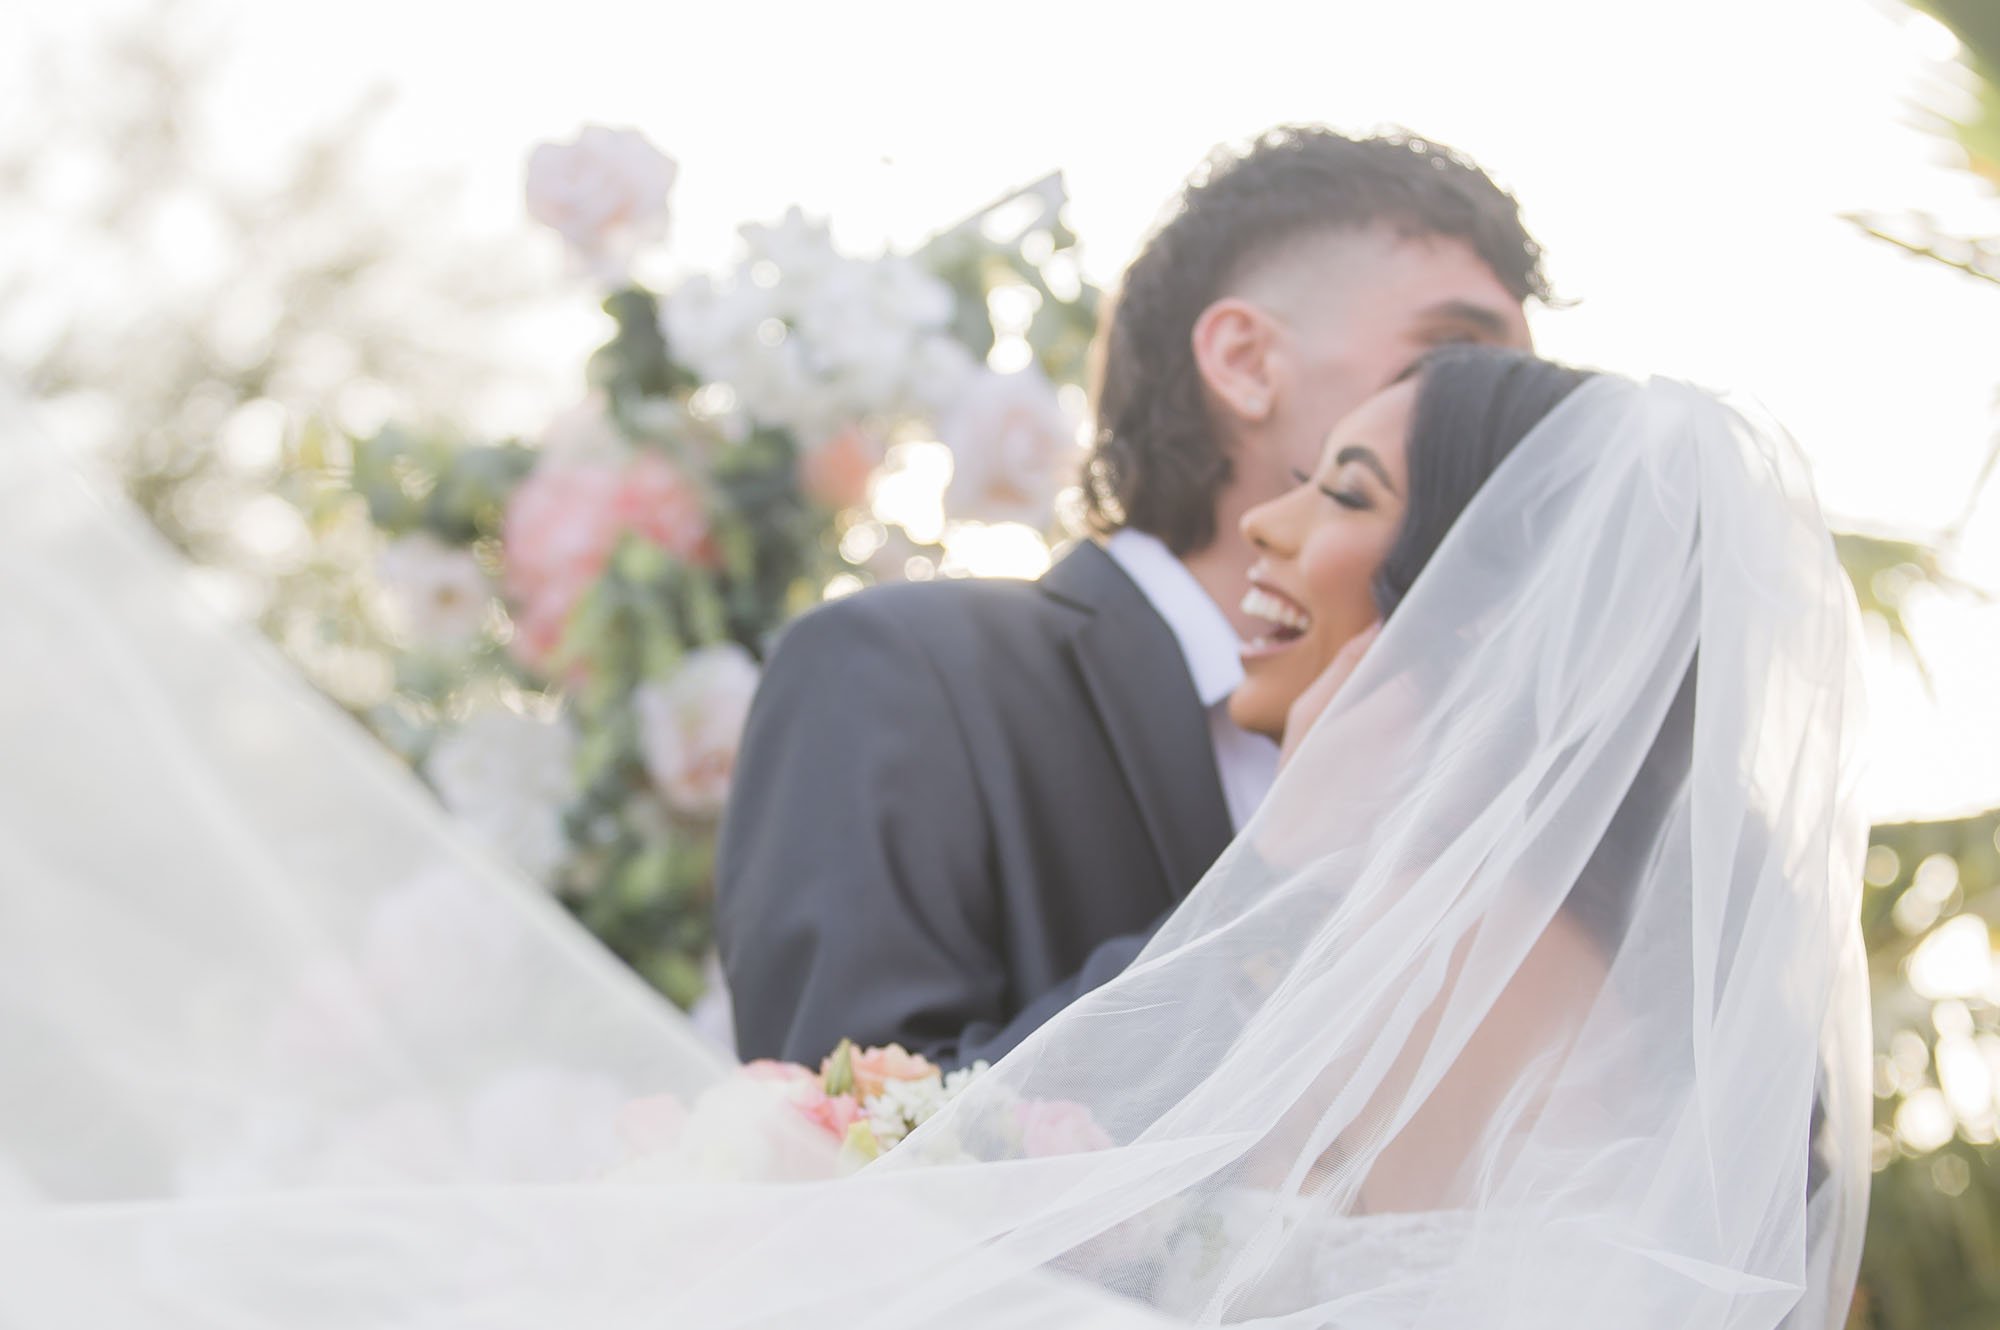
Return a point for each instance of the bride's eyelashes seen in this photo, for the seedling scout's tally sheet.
(1354, 499)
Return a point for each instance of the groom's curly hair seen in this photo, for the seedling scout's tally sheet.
(1156, 464)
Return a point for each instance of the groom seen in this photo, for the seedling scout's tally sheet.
(960, 805)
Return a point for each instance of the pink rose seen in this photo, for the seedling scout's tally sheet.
(605, 192)
(835, 474)
(1059, 1127)
(835, 1112)
(564, 522)
(656, 502)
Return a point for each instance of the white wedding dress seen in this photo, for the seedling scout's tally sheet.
(1533, 996)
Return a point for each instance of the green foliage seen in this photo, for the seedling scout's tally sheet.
(426, 482)
(1932, 1260)
(1976, 23)
(1032, 248)
(1933, 1254)
(1886, 572)
(634, 364)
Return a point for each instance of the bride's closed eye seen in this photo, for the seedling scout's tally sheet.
(1354, 499)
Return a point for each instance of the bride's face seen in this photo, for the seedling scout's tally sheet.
(1318, 546)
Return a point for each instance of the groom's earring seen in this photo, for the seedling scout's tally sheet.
(1254, 406)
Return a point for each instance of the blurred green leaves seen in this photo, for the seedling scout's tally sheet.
(1887, 572)
(1932, 1259)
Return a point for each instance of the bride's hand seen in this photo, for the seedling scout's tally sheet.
(1306, 708)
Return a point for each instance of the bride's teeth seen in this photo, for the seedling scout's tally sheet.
(1270, 608)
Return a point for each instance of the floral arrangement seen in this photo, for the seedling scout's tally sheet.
(868, 1100)
(579, 619)
(778, 1121)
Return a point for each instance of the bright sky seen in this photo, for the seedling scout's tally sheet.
(1683, 165)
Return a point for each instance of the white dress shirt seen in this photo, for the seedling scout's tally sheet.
(1246, 762)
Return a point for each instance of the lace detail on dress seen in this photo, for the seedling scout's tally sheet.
(1379, 1272)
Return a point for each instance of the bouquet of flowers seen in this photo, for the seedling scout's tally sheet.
(778, 1121)
(578, 620)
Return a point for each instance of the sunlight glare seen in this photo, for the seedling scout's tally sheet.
(1925, 1121)
(1956, 961)
(909, 490)
(1931, 38)
(1002, 549)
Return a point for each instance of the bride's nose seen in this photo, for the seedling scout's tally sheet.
(1265, 527)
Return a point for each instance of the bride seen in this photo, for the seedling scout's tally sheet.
(1533, 996)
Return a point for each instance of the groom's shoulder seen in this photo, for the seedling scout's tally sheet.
(971, 622)
(937, 613)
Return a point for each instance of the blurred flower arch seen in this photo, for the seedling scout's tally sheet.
(577, 620)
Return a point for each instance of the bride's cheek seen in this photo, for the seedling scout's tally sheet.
(1337, 574)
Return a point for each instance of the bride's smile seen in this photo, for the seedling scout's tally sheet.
(1319, 547)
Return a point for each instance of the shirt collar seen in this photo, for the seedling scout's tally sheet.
(1207, 642)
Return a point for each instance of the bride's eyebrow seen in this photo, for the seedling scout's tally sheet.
(1367, 457)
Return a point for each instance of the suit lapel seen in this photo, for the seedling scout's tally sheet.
(1145, 701)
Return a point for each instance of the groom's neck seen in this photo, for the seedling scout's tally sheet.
(1223, 570)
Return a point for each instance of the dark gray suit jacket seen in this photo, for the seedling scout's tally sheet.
(959, 805)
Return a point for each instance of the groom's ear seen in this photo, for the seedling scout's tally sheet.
(1238, 350)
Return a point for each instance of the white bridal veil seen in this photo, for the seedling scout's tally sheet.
(1534, 995)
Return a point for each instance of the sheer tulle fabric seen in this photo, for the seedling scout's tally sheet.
(1532, 997)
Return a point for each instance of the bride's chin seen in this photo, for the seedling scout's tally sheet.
(1250, 710)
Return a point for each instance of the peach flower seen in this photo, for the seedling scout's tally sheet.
(875, 1067)
(835, 474)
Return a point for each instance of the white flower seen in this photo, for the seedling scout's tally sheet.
(742, 1129)
(940, 371)
(508, 777)
(731, 332)
(800, 249)
(910, 296)
(584, 431)
(689, 727)
(955, 1082)
(605, 193)
(710, 325)
(863, 325)
(1012, 446)
(811, 340)
(438, 595)
(902, 1107)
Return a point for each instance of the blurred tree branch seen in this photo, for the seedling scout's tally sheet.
(196, 329)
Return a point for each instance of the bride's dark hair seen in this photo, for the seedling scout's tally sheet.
(1474, 406)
